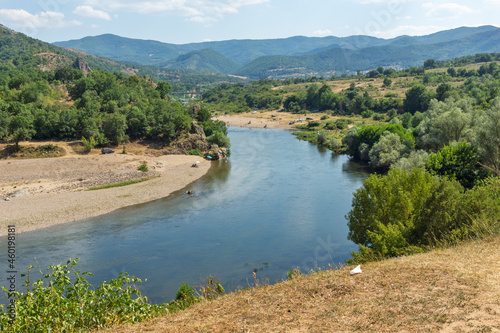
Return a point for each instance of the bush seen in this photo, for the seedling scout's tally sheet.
(342, 123)
(313, 123)
(89, 144)
(324, 117)
(404, 212)
(143, 167)
(195, 151)
(367, 114)
(60, 303)
(220, 139)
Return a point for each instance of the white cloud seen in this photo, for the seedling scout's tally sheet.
(20, 18)
(322, 33)
(446, 10)
(410, 30)
(88, 11)
(194, 10)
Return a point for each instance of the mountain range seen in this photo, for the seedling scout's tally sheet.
(295, 56)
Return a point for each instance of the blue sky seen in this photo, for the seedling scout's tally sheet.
(185, 21)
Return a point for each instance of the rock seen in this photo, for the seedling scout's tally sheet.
(198, 130)
(82, 65)
(217, 153)
(7, 199)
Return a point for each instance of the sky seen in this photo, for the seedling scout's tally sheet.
(187, 21)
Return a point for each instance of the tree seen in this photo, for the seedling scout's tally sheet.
(444, 123)
(114, 126)
(387, 82)
(430, 63)
(164, 88)
(417, 99)
(401, 212)
(487, 138)
(443, 91)
(21, 128)
(220, 139)
(4, 124)
(387, 151)
(457, 161)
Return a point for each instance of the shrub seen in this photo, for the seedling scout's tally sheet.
(324, 117)
(143, 167)
(342, 123)
(313, 123)
(89, 144)
(367, 114)
(60, 303)
(195, 151)
(404, 212)
(322, 137)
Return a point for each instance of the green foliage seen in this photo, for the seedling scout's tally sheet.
(143, 167)
(407, 211)
(370, 135)
(211, 288)
(89, 143)
(387, 151)
(63, 301)
(487, 138)
(444, 123)
(457, 161)
(220, 139)
(195, 151)
(184, 298)
(417, 99)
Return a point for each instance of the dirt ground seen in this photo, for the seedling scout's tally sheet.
(451, 290)
(42, 192)
(261, 119)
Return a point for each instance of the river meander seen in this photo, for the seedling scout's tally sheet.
(277, 204)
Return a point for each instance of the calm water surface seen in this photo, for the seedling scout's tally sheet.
(277, 204)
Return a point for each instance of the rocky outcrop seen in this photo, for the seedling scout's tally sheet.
(216, 153)
(197, 129)
(82, 65)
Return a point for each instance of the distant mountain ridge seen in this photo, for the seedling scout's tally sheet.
(295, 56)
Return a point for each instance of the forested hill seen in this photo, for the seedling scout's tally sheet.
(47, 93)
(19, 51)
(299, 56)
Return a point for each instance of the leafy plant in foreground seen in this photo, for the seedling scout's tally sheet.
(64, 301)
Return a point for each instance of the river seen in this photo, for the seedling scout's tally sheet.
(277, 204)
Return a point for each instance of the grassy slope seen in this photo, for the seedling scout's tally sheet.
(450, 290)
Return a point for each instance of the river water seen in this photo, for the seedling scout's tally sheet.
(277, 204)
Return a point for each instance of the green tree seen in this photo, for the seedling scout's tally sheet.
(164, 88)
(114, 126)
(417, 99)
(487, 138)
(387, 151)
(21, 128)
(457, 161)
(4, 124)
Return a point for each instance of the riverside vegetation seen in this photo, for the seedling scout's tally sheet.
(435, 132)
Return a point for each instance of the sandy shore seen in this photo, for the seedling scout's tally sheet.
(261, 119)
(51, 191)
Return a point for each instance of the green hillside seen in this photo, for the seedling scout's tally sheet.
(296, 56)
(402, 53)
(204, 60)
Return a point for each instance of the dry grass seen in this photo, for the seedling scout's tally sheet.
(451, 290)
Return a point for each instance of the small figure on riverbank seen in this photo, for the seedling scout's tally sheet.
(190, 192)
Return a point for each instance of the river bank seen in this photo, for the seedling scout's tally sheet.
(446, 290)
(266, 119)
(44, 192)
